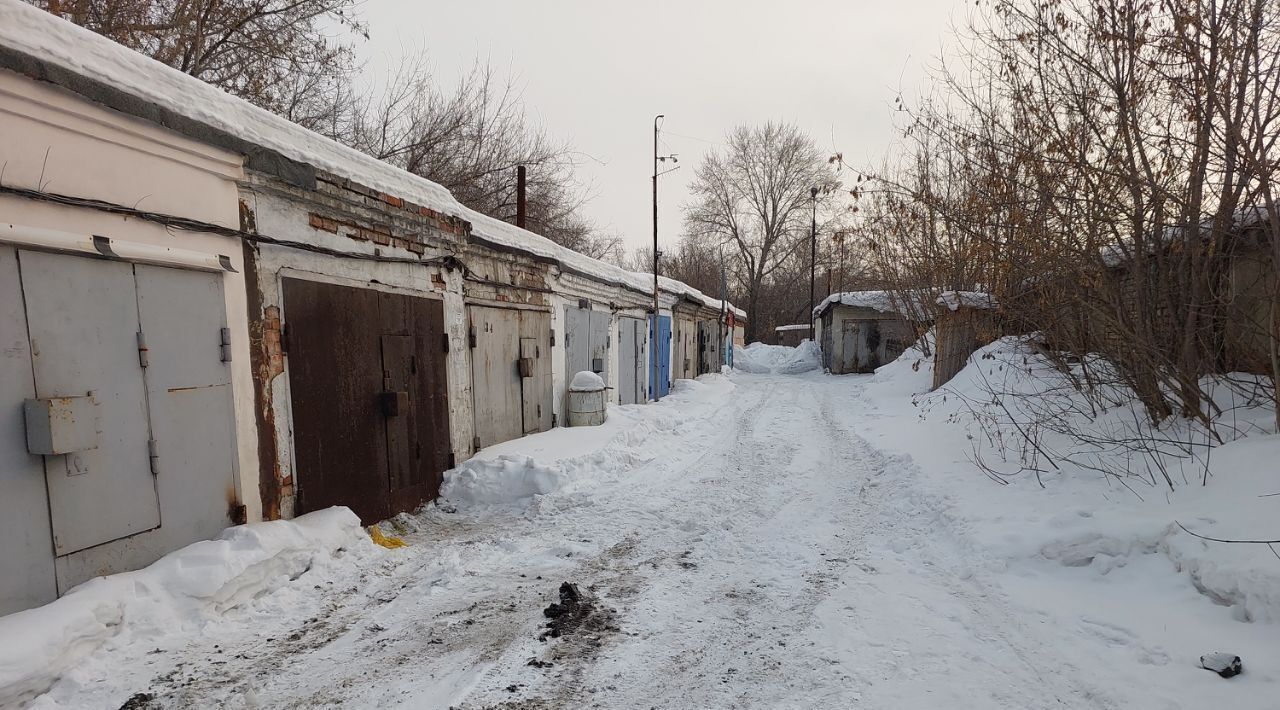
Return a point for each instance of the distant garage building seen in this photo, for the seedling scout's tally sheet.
(792, 335)
(862, 330)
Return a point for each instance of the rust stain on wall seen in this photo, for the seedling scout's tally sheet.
(266, 362)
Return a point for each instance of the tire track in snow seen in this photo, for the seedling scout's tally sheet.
(761, 554)
(1017, 667)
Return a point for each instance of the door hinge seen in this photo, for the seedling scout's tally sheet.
(225, 335)
(444, 338)
(539, 411)
(471, 337)
(143, 359)
(553, 419)
(553, 337)
(153, 453)
(475, 443)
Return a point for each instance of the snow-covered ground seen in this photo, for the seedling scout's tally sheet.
(754, 540)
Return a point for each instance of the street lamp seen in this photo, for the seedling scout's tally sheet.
(813, 257)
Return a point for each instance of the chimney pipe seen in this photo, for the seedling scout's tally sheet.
(520, 196)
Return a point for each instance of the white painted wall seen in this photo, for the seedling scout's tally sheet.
(56, 142)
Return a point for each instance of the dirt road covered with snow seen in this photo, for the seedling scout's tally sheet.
(737, 545)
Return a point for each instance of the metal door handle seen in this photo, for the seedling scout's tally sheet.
(393, 403)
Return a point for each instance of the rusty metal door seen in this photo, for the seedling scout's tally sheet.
(369, 397)
(335, 376)
(852, 346)
(586, 342)
(430, 444)
(686, 365)
(633, 361)
(629, 359)
(577, 341)
(536, 389)
(708, 347)
(495, 380)
(601, 344)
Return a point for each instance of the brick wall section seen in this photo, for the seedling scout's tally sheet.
(272, 340)
(358, 213)
(342, 207)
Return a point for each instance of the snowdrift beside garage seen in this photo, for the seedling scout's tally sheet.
(1099, 526)
(183, 589)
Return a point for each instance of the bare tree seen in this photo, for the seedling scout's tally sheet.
(1100, 165)
(754, 196)
(279, 54)
(276, 53)
(471, 140)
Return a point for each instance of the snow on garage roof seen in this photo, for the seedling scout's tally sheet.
(954, 300)
(883, 301)
(61, 45)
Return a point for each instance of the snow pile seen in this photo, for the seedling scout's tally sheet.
(762, 359)
(528, 475)
(586, 381)
(806, 357)
(953, 300)
(910, 374)
(183, 589)
(507, 481)
(1084, 501)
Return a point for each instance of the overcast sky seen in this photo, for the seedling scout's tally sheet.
(597, 72)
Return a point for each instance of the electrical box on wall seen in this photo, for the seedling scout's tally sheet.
(61, 425)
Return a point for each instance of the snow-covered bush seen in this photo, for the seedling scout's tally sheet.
(1028, 414)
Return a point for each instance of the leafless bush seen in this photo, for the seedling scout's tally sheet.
(1103, 168)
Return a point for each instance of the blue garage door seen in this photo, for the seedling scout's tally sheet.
(660, 356)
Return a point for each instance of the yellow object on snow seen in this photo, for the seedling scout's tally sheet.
(391, 543)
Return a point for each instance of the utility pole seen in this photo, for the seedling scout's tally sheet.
(653, 361)
(723, 297)
(813, 257)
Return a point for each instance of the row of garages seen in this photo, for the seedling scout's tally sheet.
(210, 316)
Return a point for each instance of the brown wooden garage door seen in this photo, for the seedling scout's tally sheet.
(369, 396)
